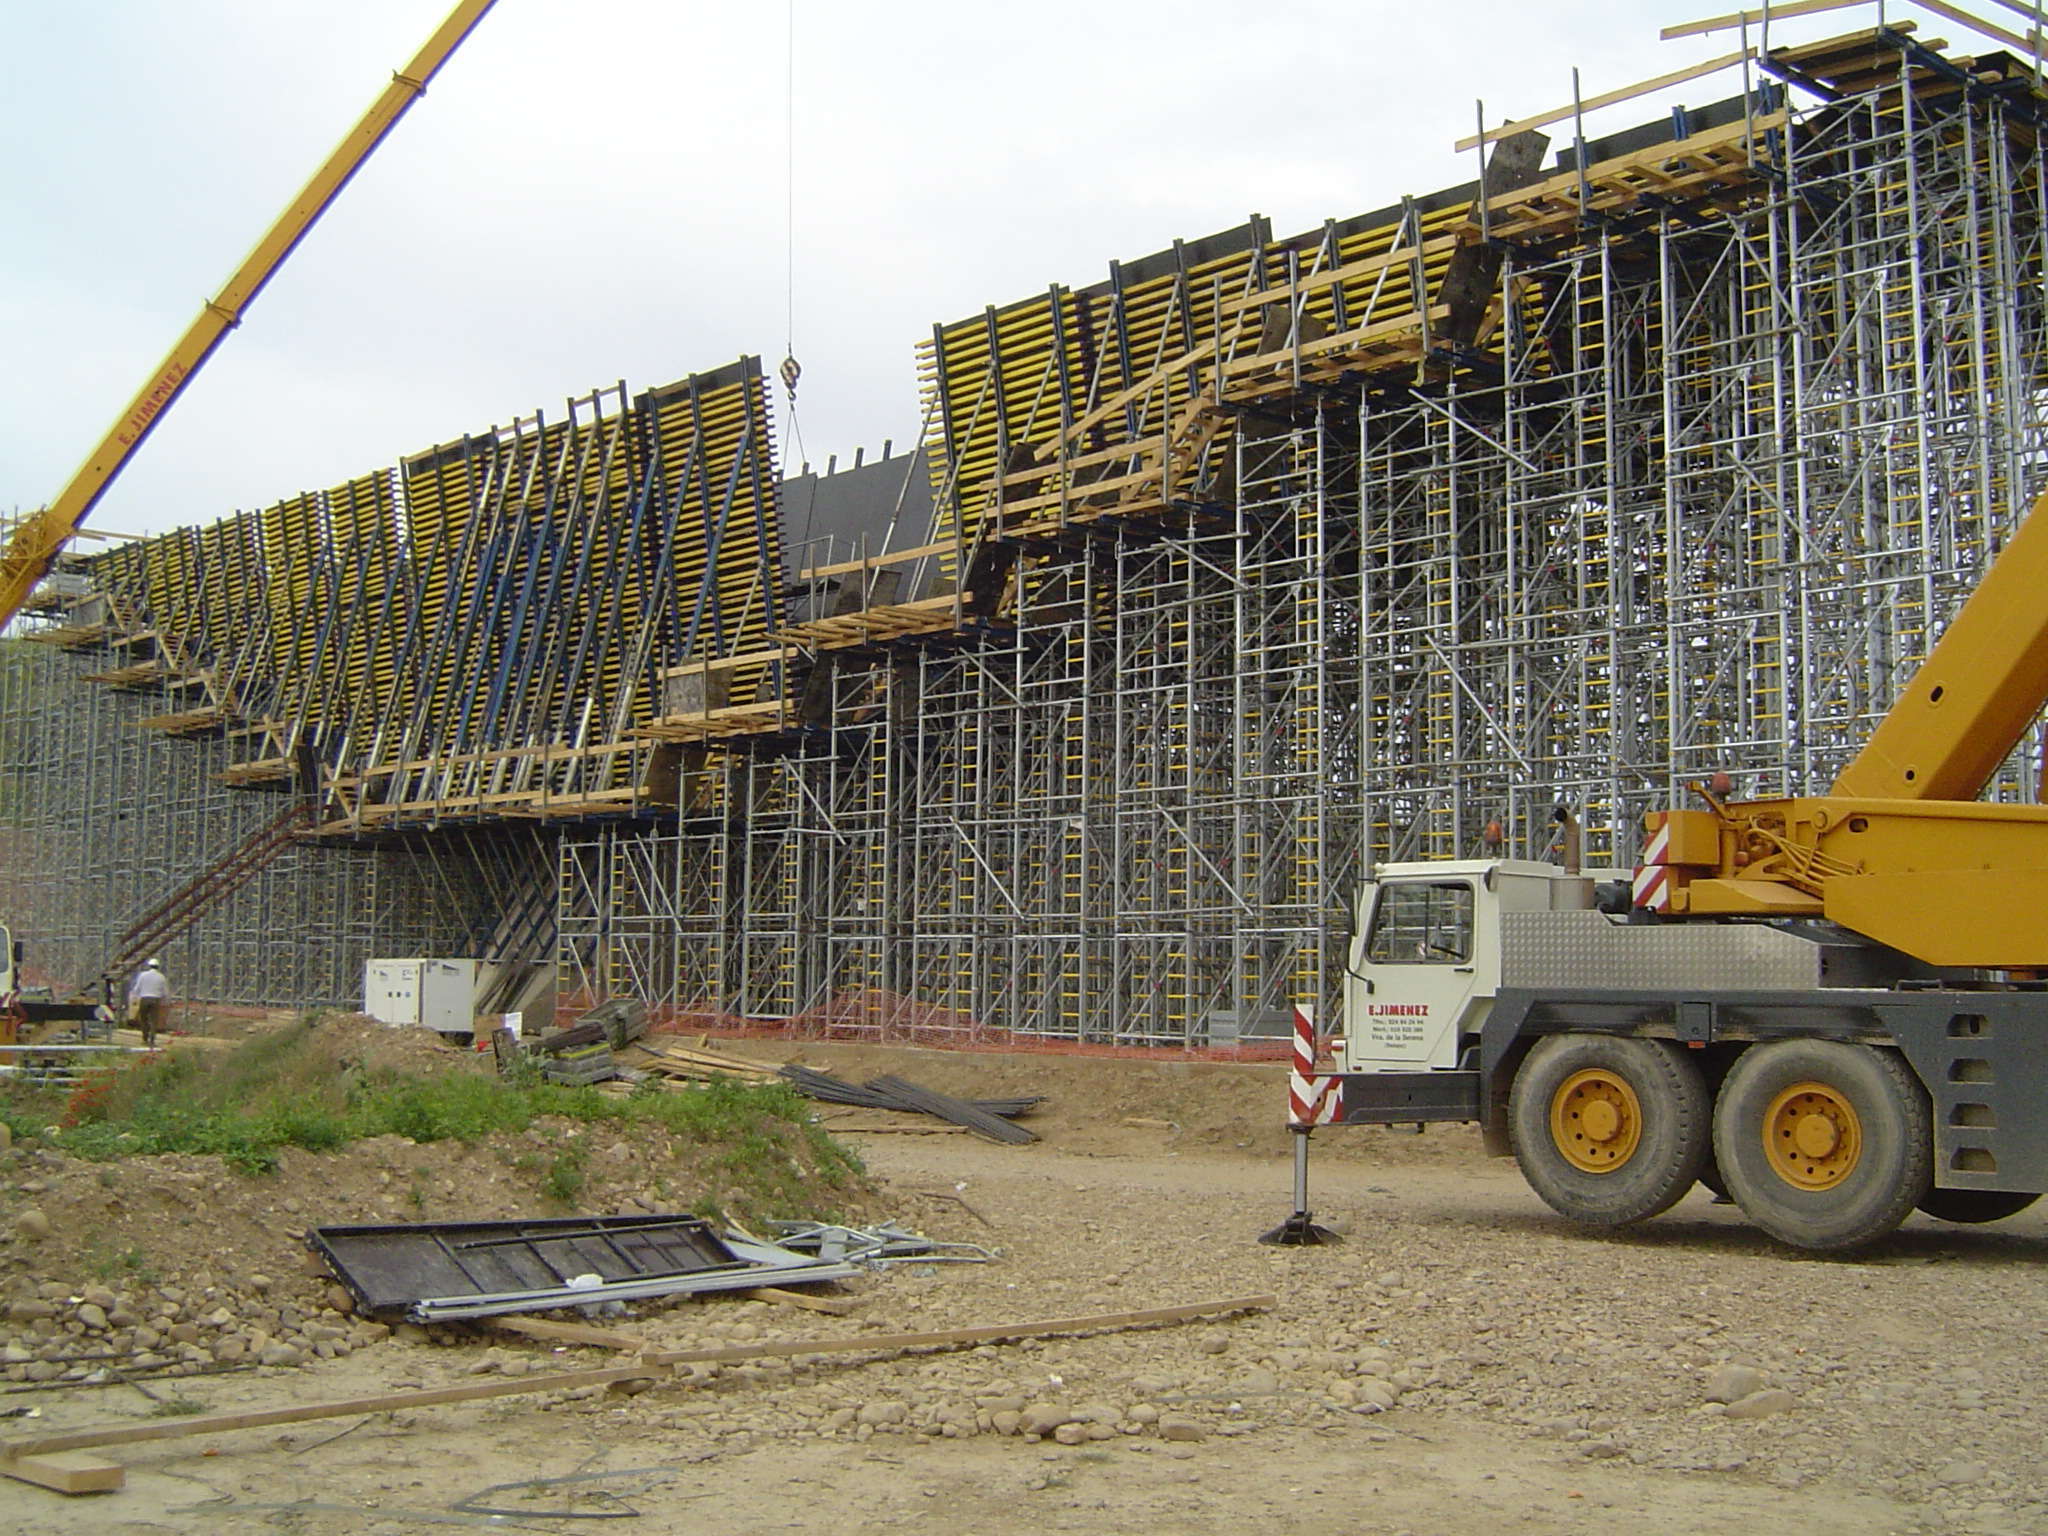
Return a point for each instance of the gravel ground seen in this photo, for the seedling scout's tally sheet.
(1462, 1358)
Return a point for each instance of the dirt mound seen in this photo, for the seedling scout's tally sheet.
(101, 1257)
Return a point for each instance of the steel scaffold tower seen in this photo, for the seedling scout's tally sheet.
(1331, 550)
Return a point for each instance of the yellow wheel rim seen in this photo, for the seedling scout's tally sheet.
(1812, 1136)
(1595, 1120)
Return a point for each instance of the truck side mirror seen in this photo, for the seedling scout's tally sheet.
(20, 949)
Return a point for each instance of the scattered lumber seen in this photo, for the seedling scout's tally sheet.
(569, 1039)
(566, 1054)
(622, 1020)
(672, 1059)
(66, 1472)
(550, 1332)
(837, 1306)
(35, 1451)
(871, 1128)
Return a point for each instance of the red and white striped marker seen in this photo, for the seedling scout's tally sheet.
(1311, 1100)
(1652, 885)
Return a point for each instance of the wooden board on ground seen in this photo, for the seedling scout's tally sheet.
(15, 1453)
(670, 1058)
(851, 1127)
(66, 1472)
(837, 1306)
(551, 1332)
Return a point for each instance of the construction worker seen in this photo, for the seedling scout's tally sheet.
(149, 999)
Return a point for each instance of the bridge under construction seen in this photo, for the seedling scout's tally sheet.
(1265, 557)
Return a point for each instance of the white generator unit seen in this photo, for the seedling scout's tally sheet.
(440, 995)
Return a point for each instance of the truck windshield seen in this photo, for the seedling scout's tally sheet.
(1421, 923)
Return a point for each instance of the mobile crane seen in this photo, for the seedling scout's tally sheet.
(42, 536)
(1833, 1008)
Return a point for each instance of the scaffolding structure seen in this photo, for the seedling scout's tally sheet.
(1263, 560)
(1269, 559)
(103, 819)
(436, 664)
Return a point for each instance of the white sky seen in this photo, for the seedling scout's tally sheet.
(597, 190)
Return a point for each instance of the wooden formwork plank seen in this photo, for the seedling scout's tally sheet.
(65, 1472)
(390, 1402)
(1711, 66)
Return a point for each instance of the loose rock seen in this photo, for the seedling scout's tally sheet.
(1730, 1383)
(1761, 1405)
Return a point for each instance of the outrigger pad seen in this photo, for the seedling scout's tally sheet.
(1300, 1231)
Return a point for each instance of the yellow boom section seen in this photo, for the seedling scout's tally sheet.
(1977, 692)
(1900, 849)
(39, 538)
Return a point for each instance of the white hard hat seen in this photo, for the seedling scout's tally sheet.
(152, 963)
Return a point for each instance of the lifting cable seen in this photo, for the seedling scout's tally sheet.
(791, 370)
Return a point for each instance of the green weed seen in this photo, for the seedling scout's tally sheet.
(566, 1175)
(128, 1264)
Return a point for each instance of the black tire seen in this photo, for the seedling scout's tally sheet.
(1879, 1167)
(1659, 1164)
(1969, 1207)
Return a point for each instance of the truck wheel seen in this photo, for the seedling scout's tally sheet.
(1609, 1129)
(1969, 1207)
(1824, 1144)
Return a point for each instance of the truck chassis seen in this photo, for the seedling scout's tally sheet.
(1828, 1114)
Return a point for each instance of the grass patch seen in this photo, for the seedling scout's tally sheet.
(304, 1086)
(566, 1175)
(128, 1264)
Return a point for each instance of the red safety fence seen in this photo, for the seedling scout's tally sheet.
(874, 1016)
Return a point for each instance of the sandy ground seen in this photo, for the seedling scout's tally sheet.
(1547, 1380)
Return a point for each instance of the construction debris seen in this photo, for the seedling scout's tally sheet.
(670, 1058)
(621, 1021)
(592, 1063)
(445, 1271)
(886, 1244)
(897, 1093)
(989, 1118)
(20, 1456)
(945, 1107)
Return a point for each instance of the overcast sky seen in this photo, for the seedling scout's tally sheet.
(597, 190)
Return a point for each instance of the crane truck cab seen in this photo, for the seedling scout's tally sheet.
(1425, 962)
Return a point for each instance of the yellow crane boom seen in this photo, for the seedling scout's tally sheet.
(1899, 849)
(42, 535)
(1980, 688)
